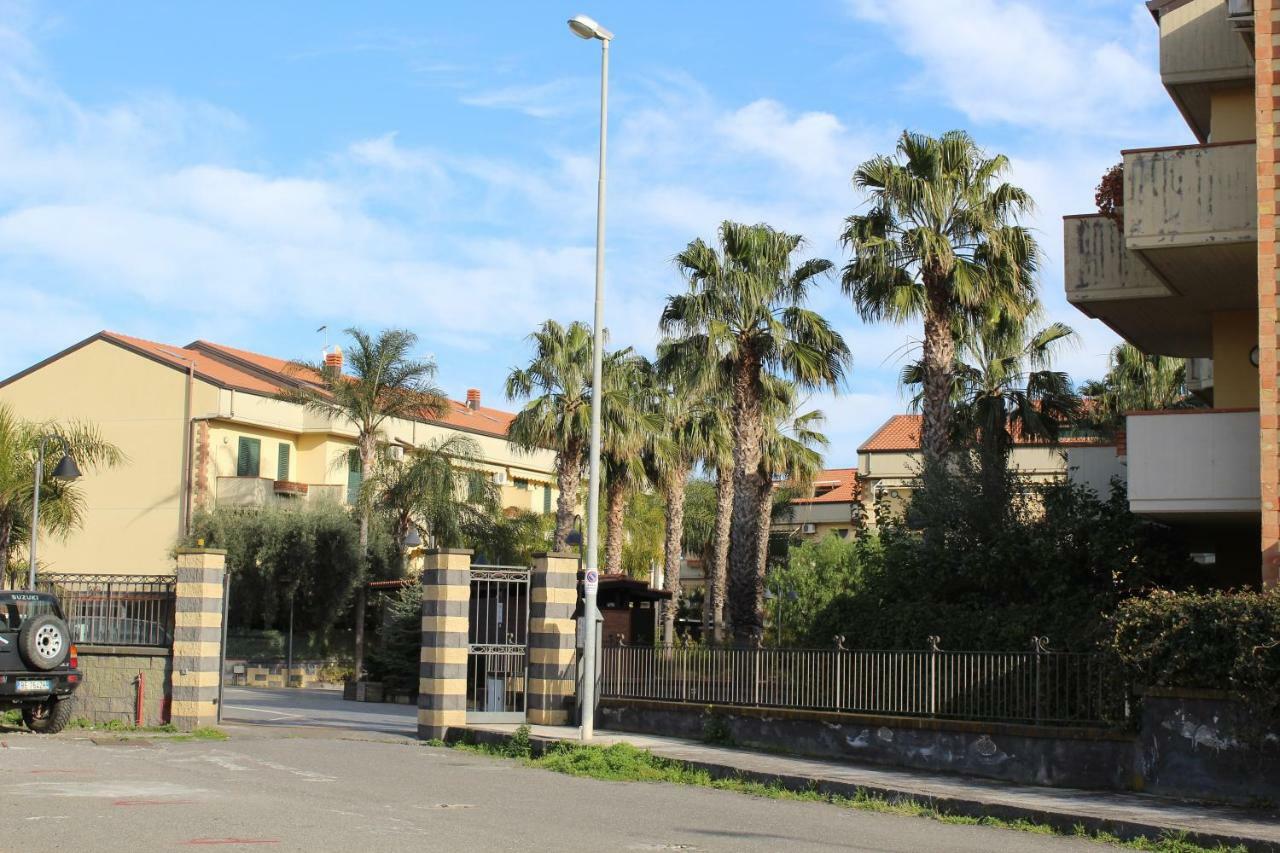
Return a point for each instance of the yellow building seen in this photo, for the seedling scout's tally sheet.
(201, 427)
(834, 507)
(1177, 273)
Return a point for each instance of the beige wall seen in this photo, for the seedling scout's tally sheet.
(1232, 117)
(1235, 378)
(132, 513)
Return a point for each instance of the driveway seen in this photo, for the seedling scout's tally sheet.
(274, 788)
(317, 708)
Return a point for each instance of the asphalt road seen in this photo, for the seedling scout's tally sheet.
(288, 783)
(316, 708)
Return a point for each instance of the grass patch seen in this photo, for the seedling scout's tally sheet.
(202, 733)
(622, 762)
(123, 728)
(12, 717)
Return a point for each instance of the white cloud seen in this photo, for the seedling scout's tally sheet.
(539, 100)
(1028, 65)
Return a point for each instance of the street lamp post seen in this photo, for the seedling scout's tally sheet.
(586, 28)
(65, 470)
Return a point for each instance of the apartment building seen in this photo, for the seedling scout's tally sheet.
(201, 426)
(1184, 270)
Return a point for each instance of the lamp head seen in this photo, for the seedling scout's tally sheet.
(67, 469)
(588, 28)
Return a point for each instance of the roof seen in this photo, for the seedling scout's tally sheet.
(836, 485)
(255, 373)
(902, 433)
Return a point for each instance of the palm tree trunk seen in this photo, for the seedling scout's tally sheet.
(765, 523)
(568, 478)
(673, 534)
(616, 496)
(717, 575)
(938, 358)
(366, 447)
(746, 592)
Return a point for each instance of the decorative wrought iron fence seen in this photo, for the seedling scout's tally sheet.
(1039, 686)
(115, 610)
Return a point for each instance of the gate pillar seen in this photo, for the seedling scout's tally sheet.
(442, 668)
(552, 638)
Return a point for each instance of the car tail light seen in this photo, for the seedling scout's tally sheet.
(74, 657)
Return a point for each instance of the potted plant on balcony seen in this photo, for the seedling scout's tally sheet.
(288, 487)
(1110, 195)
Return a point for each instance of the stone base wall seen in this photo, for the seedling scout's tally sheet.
(109, 689)
(1197, 746)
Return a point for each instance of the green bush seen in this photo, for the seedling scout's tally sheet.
(394, 656)
(1217, 640)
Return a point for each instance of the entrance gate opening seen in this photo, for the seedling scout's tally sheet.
(498, 644)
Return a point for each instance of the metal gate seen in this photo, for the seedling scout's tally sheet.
(498, 644)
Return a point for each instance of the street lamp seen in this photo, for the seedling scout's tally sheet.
(66, 469)
(586, 28)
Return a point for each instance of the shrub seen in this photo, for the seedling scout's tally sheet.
(1217, 640)
(393, 659)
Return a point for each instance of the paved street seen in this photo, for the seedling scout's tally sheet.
(299, 787)
(324, 708)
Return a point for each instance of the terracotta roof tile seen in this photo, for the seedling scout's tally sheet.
(834, 485)
(902, 433)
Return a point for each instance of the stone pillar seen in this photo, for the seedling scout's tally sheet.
(1266, 18)
(442, 672)
(197, 637)
(553, 595)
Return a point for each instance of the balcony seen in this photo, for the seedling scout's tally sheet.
(1201, 50)
(1194, 464)
(257, 492)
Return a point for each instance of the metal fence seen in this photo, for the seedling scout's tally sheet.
(1038, 686)
(115, 610)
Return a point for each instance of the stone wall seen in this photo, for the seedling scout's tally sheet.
(109, 689)
(1187, 744)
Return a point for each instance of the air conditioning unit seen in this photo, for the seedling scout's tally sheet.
(395, 452)
(809, 527)
(500, 478)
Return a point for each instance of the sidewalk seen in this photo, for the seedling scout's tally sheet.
(1125, 815)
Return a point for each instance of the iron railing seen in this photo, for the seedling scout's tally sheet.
(1038, 687)
(115, 610)
(497, 643)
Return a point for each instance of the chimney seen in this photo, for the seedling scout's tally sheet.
(333, 359)
(473, 398)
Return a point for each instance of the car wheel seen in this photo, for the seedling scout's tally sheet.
(44, 642)
(49, 717)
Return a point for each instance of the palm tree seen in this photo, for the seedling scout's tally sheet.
(745, 309)
(385, 382)
(720, 462)
(1004, 389)
(440, 489)
(687, 417)
(791, 454)
(1135, 381)
(559, 417)
(622, 450)
(941, 243)
(62, 502)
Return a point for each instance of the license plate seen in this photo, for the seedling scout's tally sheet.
(32, 685)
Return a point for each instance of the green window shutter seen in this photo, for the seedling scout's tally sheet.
(546, 499)
(282, 462)
(248, 456)
(354, 477)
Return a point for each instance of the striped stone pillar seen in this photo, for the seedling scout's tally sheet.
(553, 595)
(197, 637)
(1266, 18)
(442, 671)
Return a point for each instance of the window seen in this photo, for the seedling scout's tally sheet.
(546, 499)
(355, 477)
(522, 485)
(248, 456)
(282, 462)
(842, 532)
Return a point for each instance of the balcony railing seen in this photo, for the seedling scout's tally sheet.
(1200, 47)
(1190, 196)
(1194, 462)
(255, 492)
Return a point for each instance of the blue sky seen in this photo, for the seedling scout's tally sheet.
(246, 172)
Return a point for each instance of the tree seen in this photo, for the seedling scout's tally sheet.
(941, 243)
(438, 489)
(386, 382)
(622, 451)
(558, 417)
(687, 416)
(745, 309)
(1135, 382)
(1004, 389)
(62, 502)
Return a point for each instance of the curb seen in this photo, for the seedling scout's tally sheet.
(1063, 822)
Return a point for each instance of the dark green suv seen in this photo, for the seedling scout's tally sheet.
(38, 666)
